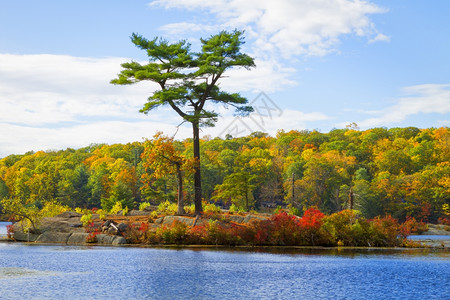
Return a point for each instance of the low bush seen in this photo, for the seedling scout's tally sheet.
(143, 205)
(174, 234)
(116, 208)
(86, 219)
(189, 209)
(444, 221)
(236, 209)
(92, 237)
(167, 207)
(411, 225)
(345, 228)
(210, 208)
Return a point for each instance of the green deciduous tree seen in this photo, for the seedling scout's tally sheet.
(188, 81)
(252, 167)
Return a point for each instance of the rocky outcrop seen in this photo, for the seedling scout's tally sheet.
(135, 212)
(436, 230)
(67, 228)
(54, 237)
(21, 236)
(111, 239)
(190, 221)
(77, 238)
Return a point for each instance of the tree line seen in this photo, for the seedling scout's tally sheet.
(399, 171)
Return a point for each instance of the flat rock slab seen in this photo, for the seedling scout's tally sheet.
(53, 237)
(20, 236)
(138, 213)
(77, 238)
(61, 225)
(69, 214)
(252, 218)
(236, 218)
(110, 239)
(436, 230)
(169, 220)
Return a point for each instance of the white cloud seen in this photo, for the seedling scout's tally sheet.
(183, 27)
(285, 27)
(419, 99)
(380, 37)
(48, 89)
(268, 76)
(278, 30)
(56, 101)
(20, 139)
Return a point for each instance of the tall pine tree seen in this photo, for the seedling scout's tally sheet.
(188, 81)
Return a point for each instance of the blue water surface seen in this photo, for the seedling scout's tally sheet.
(3, 230)
(78, 272)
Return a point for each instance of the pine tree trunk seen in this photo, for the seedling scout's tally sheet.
(197, 174)
(180, 190)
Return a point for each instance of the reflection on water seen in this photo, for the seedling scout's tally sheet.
(429, 237)
(55, 272)
(21, 272)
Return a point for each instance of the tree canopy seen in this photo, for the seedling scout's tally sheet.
(257, 169)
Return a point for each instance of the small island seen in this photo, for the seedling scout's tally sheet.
(295, 189)
(156, 226)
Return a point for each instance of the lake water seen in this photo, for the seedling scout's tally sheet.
(78, 272)
(429, 237)
(3, 231)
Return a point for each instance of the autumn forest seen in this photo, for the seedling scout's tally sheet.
(399, 171)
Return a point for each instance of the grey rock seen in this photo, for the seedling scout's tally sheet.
(252, 218)
(168, 220)
(236, 218)
(69, 214)
(53, 237)
(101, 237)
(122, 227)
(150, 208)
(119, 240)
(107, 239)
(58, 224)
(135, 212)
(20, 236)
(77, 238)
(112, 230)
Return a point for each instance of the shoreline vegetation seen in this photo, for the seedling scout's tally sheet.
(157, 227)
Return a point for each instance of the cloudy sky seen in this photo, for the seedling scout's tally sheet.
(321, 64)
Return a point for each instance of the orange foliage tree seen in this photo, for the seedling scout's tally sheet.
(161, 157)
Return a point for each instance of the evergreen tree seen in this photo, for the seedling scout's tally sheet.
(188, 81)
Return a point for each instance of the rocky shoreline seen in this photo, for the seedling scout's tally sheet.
(67, 228)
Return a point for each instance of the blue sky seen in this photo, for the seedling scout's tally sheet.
(321, 64)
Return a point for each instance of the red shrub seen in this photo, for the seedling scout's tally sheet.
(283, 230)
(444, 221)
(92, 237)
(144, 227)
(411, 226)
(9, 230)
(385, 231)
(312, 219)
